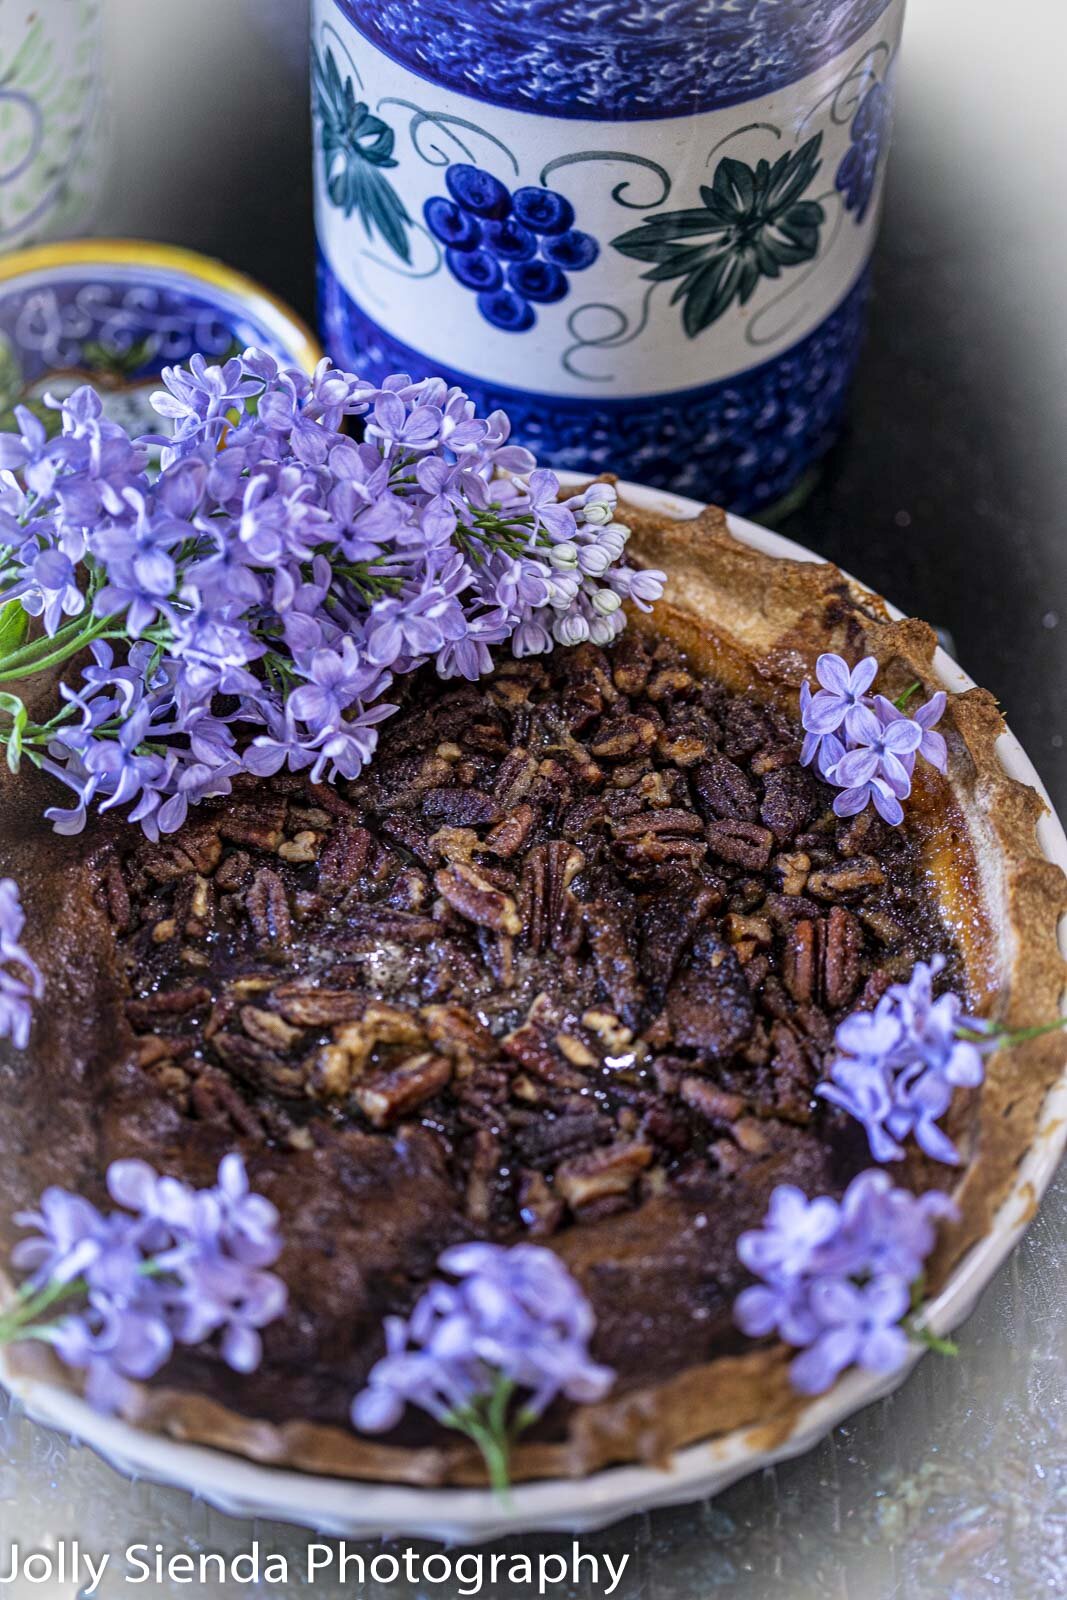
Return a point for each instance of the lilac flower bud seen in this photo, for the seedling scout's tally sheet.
(564, 556)
(570, 629)
(605, 601)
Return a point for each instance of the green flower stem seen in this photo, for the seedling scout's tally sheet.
(485, 1423)
(1006, 1038)
(17, 1323)
(20, 1321)
(901, 700)
(916, 1329)
(52, 652)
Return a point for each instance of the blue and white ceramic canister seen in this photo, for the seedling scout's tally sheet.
(53, 127)
(642, 227)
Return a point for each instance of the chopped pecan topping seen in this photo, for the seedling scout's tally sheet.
(580, 934)
(268, 908)
(391, 1095)
(745, 844)
(609, 1171)
(474, 897)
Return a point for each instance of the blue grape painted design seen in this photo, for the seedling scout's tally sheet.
(514, 250)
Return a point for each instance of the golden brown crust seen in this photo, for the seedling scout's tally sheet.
(759, 623)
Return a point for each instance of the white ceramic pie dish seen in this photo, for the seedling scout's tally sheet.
(337, 1506)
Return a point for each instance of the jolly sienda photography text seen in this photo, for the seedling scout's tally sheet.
(455, 1573)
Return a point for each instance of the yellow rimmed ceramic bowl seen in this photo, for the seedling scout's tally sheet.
(114, 312)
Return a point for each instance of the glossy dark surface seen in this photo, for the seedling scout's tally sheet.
(948, 494)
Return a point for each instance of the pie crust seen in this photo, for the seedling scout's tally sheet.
(757, 623)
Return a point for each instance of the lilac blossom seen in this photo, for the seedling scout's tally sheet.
(247, 603)
(113, 1293)
(897, 1067)
(513, 1320)
(20, 978)
(839, 1277)
(864, 744)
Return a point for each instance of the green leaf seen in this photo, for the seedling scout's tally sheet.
(681, 262)
(12, 706)
(791, 175)
(13, 625)
(356, 146)
(734, 186)
(648, 242)
(710, 293)
(752, 224)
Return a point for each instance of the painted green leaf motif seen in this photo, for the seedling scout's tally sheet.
(752, 224)
(356, 146)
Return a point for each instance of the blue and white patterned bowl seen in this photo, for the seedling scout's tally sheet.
(116, 311)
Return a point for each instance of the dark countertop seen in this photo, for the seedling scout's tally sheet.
(945, 494)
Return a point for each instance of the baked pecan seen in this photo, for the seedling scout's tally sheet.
(267, 907)
(790, 800)
(484, 1164)
(455, 1032)
(851, 877)
(213, 1098)
(800, 960)
(268, 1028)
(257, 823)
(318, 1008)
(670, 823)
(745, 844)
(260, 1067)
(539, 1208)
(470, 894)
(303, 846)
(391, 1095)
(196, 849)
(383, 922)
(794, 868)
(709, 1003)
(723, 792)
(624, 737)
(631, 664)
(534, 1048)
(514, 776)
(234, 871)
(843, 945)
(550, 912)
(610, 1170)
(669, 682)
(459, 808)
(510, 834)
(613, 957)
(709, 1101)
(667, 925)
(149, 1009)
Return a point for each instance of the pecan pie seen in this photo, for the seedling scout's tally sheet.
(565, 965)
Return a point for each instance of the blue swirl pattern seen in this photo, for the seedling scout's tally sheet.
(741, 442)
(613, 59)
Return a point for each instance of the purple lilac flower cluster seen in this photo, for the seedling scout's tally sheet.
(514, 1319)
(839, 1276)
(899, 1065)
(176, 1266)
(249, 599)
(20, 978)
(864, 744)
